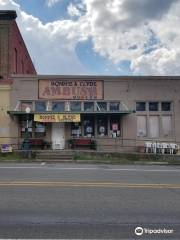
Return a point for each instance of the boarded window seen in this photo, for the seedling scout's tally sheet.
(141, 126)
(167, 126)
(154, 126)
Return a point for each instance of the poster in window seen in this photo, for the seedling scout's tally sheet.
(114, 126)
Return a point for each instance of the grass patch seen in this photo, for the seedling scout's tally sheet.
(20, 156)
(126, 158)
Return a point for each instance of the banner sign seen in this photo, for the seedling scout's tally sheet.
(71, 89)
(57, 118)
(6, 148)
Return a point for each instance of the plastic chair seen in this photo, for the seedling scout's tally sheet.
(165, 148)
(159, 147)
(148, 147)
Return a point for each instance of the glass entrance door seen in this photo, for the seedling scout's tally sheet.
(58, 136)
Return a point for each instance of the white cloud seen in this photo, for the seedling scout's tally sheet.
(52, 45)
(51, 3)
(146, 33)
(73, 10)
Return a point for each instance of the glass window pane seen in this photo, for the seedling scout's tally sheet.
(88, 126)
(114, 106)
(40, 106)
(141, 126)
(24, 124)
(153, 106)
(102, 126)
(88, 106)
(167, 126)
(115, 126)
(140, 106)
(58, 106)
(154, 126)
(76, 130)
(40, 129)
(75, 106)
(24, 105)
(101, 106)
(166, 106)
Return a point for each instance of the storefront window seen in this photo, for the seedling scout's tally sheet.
(114, 106)
(101, 106)
(76, 106)
(88, 106)
(89, 126)
(76, 130)
(115, 126)
(102, 126)
(23, 125)
(25, 105)
(58, 106)
(40, 106)
(40, 129)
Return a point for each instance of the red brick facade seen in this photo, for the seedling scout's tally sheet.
(14, 56)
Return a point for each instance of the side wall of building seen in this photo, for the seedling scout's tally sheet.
(4, 50)
(14, 59)
(22, 63)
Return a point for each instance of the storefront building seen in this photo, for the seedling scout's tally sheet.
(119, 113)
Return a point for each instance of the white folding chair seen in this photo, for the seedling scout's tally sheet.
(165, 148)
(148, 147)
(159, 147)
(173, 148)
(154, 147)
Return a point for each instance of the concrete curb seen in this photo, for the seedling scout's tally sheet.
(26, 161)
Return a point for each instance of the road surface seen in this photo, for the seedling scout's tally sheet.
(71, 201)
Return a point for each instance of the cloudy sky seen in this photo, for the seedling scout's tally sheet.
(107, 37)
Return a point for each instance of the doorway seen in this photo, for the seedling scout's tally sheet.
(58, 136)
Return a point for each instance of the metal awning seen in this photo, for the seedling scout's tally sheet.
(16, 113)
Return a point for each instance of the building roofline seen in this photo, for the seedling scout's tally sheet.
(102, 77)
(8, 14)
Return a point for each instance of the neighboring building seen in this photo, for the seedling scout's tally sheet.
(14, 59)
(14, 56)
(121, 113)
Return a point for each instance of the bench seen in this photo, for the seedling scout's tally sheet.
(36, 143)
(82, 142)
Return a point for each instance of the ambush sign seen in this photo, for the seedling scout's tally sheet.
(71, 89)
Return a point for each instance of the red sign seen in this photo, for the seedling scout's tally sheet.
(71, 89)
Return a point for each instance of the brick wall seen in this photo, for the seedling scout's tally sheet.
(4, 49)
(24, 63)
(14, 56)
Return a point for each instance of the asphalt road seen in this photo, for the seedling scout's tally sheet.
(68, 201)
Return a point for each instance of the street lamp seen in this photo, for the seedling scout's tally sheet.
(26, 137)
